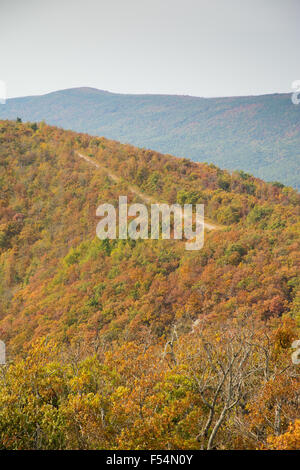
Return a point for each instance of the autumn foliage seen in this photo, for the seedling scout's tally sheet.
(128, 344)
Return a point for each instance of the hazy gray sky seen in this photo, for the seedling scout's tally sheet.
(195, 47)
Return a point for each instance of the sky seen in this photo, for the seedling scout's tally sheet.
(190, 47)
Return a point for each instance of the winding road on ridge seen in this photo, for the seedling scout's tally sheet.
(144, 197)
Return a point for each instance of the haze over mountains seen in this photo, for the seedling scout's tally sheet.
(256, 134)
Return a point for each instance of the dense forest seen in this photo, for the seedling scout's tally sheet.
(124, 344)
(257, 134)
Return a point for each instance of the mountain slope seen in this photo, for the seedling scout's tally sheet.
(56, 278)
(121, 344)
(257, 134)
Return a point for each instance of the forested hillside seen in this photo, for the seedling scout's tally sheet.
(256, 134)
(141, 344)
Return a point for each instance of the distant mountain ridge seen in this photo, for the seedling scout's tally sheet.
(256, 134)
